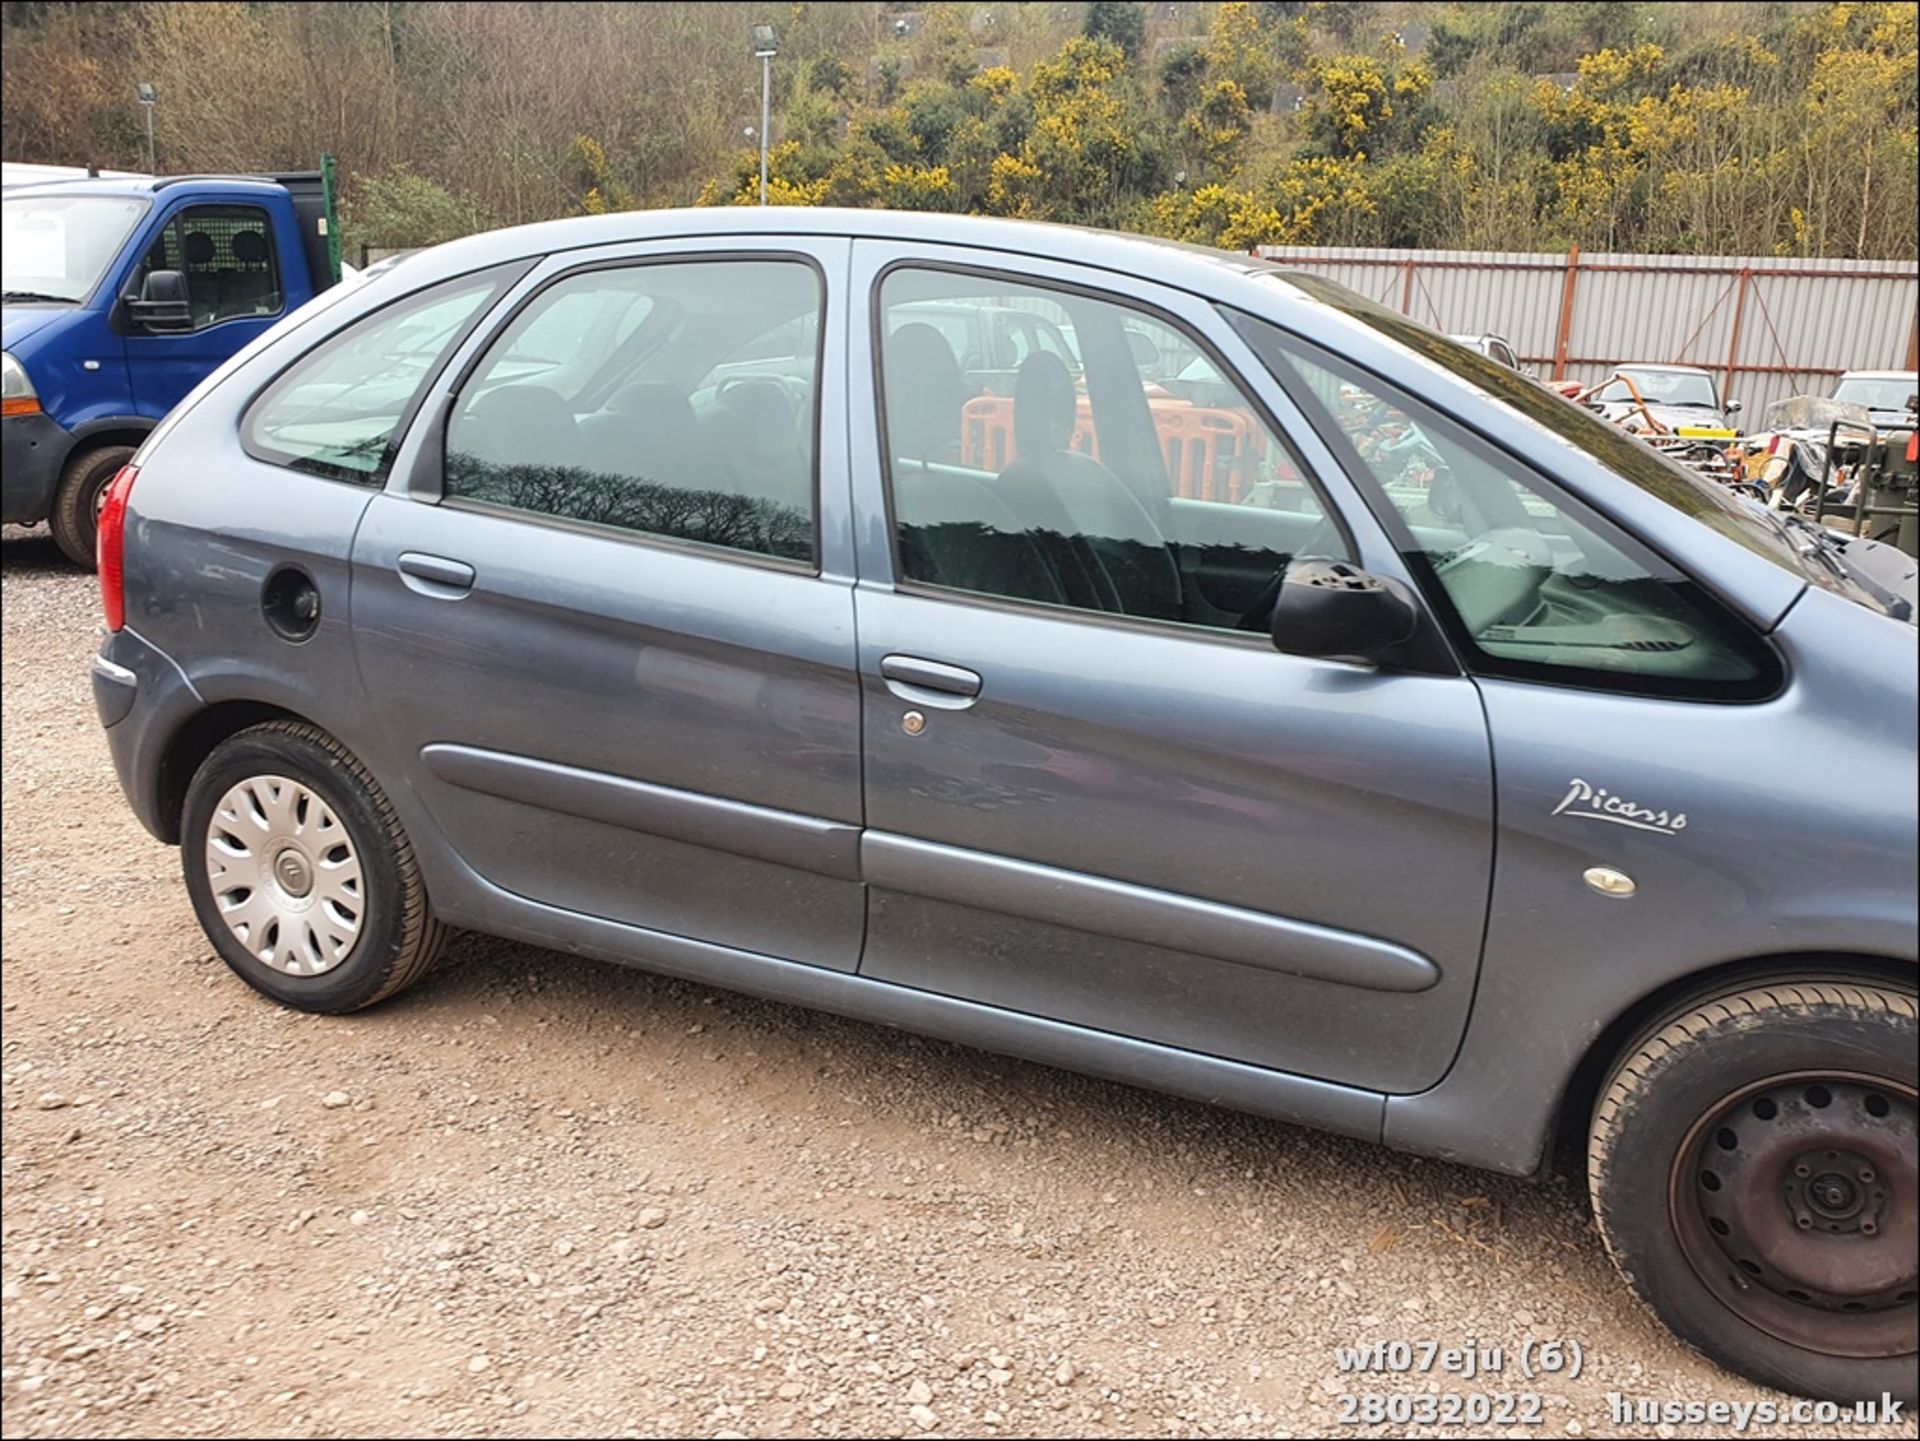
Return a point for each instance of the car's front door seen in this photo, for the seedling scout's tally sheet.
(601, 616)
(1094, 790)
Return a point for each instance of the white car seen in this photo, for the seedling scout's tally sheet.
(1495, 348)
(1674, 395)
(1888, 395)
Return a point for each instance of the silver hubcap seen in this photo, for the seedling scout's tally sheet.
(285, 876)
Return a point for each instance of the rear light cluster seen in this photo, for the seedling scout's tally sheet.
(110, 549)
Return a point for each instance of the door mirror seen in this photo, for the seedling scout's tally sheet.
(163, 303)
(1733, 407)
(1333, 609)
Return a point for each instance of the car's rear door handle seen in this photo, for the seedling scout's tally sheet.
(930, 682)
(435, 575)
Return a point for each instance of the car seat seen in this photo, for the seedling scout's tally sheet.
(250, 288)
(1109, 552)
(517, 445)
(761, 443)
(647, 432)
(925, 394)
(203, 281)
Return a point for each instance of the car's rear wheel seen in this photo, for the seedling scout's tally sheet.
(301, 874)
(75, 518)
(1752, 1162)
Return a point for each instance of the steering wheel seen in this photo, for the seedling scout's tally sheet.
(791, 388)
(1324, 538)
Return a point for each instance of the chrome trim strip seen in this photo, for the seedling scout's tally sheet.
(118, 674)
(806, 843)
(1140, 913)
(1281, 1095)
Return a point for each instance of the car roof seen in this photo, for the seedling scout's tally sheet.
(1673, 369)
(1172, 262)
(1881, 375)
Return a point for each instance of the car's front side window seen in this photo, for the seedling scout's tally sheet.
(695, 423)
(1537, 587)
(1092, 487)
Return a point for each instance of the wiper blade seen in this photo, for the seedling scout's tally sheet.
(1812, 540)
(36, 295)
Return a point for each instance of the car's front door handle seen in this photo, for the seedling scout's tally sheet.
(435, 575)
(930, 682)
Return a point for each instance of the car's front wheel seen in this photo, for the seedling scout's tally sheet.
(301, 874)
(1752, 1163)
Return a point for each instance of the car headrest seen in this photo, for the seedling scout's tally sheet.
(925, 393)
(517, 425)
(761, 415)
(1044, 405)
(199, 248)
(655, 411)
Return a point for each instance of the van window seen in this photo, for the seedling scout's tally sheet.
(226, 253)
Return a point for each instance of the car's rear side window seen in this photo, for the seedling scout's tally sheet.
(339, 411)
(669, 399)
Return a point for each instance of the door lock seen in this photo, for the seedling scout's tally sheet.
(913, 722)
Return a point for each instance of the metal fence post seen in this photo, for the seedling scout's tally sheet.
(1566, 314)
(1733, 341)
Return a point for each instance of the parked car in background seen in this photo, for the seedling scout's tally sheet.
(1888, 395)
(1673, 395)
(1355, 734)
(122, 294)
(1495, 348)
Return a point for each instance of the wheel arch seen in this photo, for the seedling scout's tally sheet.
(194, 741)
(109, 430)
(1568, 1136)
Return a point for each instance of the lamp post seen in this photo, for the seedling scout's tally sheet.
(766, 49)
(148, 99)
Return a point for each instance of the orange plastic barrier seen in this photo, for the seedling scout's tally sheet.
(1206, 449)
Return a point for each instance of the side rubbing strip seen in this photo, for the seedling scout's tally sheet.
(807, 843)
(1139, 913)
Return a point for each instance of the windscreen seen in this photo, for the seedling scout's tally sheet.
(1664, 387)
(56, 247)
(1633, 460)
(1879, 392)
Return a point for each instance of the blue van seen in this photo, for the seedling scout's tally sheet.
(122, 294)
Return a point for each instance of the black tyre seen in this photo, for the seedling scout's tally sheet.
(1752, 1163)
(77, 501)
(301, 874)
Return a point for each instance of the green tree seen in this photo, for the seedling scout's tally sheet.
(1124, 22)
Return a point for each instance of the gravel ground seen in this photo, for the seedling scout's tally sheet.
(542, 1196)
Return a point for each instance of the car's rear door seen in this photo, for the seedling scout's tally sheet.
(1090, 795)
(604, 615)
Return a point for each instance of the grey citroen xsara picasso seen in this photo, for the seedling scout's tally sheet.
(1323, 720)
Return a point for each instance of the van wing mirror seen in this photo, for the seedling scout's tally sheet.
(163, 304)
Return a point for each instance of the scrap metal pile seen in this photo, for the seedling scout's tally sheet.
(1824, 458)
